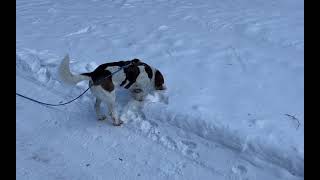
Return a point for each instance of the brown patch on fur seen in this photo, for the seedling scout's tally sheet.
(107, 84)
(100, 77)
(158, 80)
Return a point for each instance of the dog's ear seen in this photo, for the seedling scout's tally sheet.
(159, 81)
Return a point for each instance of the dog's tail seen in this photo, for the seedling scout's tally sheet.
(66, 76)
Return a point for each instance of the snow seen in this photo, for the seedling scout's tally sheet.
(235, 77)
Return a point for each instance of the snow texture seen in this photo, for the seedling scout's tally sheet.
(234, 108)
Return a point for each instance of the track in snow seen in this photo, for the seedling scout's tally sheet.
(254, 63)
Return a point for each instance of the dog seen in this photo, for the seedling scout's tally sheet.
(136, 76)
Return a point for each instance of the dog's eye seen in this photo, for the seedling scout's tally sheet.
(137, 90)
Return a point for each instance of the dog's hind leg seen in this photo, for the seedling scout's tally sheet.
(97, 109)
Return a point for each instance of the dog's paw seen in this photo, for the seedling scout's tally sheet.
(102, 117)
(118, 123)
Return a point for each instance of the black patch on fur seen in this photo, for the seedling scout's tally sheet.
(132, 72)
(104, 66)
(100, 73)
(136, 91)
(148, 70)
(86, 74)
(158, 80)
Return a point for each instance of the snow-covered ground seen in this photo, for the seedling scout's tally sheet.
(235, 76)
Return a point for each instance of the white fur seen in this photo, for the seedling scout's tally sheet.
(142, 83)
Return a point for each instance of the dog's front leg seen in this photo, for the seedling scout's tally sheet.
(110, 99)
(97, 109)
(114, 115)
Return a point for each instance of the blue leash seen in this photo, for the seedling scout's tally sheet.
(61, 104)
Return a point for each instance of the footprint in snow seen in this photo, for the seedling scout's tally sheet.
(189, 144)
(239, 169)
(187, 148)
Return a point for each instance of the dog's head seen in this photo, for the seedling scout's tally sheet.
(158, 77)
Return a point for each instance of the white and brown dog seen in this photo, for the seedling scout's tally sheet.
(136, 76)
